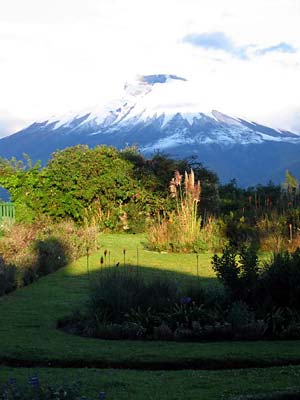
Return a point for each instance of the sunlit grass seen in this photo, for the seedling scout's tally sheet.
(28, 318)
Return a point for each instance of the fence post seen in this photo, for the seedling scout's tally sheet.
(7, 211)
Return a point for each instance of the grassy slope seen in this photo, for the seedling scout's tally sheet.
(28, 319)
(175, 385)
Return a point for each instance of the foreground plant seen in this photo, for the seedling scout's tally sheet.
(36, 390)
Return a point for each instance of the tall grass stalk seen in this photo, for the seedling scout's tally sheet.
(179, 230)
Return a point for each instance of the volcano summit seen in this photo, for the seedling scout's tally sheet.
(154, 113)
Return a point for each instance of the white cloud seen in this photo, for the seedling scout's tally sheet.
(58, 55)
(10, 123)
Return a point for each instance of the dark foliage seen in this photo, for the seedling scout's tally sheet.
(36, 390)
(52, 254)
(278, 395)
(238, 271)
(8, 277)
(279, 284)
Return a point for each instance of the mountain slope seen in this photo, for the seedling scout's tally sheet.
(153, 114)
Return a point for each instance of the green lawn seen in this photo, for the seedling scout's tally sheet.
(28, 321)
(28, 335)
(146, 385)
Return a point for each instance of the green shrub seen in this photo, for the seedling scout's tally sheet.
(243, 322)
(212, 296)
(51, 255)
(239, 315)
(238, 270)
(283, 323)
(280, 281)
(114, 294)
(120, 290)
(8, 281)
(125, 331)
(272, 231)
(125, 304)
(163, 332)
(239, 230)
(33, 250)
(265, 301)
(76, 240)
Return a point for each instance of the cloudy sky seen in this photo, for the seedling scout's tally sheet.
(240, 56)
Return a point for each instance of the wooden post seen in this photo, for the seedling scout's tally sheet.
(291, 232)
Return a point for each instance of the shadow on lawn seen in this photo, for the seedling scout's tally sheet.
(150, 272)
(138, 354)
(184, 267)
(145, 303)
(92, 272)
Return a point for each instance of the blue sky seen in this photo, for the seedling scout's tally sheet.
(220, 41)
(215, 41)
(241, 56)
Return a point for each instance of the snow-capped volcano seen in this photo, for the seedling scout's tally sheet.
(155, 113)
(157, 99)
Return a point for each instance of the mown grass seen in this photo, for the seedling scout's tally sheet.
(175, 385)
(28, 321)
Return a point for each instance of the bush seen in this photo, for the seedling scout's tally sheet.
(272, 233)
(239, 315)
(243, 322)
(238, 270)
(265, 302)
(125, 331)
(239, 230)
(118, 291)
(76, 240)
(51, 255)
(125, 304)
(7, 277)
(34, 250)
(15, 243)
(163, 332)
(280, 281)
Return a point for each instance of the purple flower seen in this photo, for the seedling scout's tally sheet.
(33, 381)
(185, 300)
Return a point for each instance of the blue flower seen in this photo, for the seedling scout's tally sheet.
(33, 381)
(185, 300)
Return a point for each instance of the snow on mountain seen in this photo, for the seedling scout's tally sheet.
(154, 99)
(155, 113)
